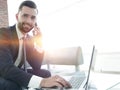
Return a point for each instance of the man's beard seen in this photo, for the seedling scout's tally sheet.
(24, 29)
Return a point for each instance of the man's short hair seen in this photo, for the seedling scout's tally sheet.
(28, 3)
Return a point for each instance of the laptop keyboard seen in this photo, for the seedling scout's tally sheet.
(76, 81)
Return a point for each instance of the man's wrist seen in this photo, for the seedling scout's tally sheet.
(42, 84)
(35, 82)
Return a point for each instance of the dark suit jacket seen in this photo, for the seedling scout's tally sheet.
(9, 46)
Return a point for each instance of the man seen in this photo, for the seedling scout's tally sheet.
(12, 75)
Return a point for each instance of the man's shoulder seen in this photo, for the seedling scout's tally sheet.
(3, 30)
(7, 28)
(7, 31)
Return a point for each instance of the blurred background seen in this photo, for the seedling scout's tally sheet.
(84, 23)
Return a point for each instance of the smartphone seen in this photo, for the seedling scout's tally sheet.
(34, 30)
(35, 24)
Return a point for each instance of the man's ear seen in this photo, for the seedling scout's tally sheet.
(17, 16)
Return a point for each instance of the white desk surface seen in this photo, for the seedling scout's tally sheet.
(102, 81)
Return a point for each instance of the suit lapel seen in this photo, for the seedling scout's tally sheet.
(14, 42)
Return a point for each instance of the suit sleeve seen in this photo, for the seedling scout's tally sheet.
(34, 57)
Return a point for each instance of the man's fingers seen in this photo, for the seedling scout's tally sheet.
(57, 84)
(55, 81)
(62, 81)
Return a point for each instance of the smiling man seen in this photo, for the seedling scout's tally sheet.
(13, 73)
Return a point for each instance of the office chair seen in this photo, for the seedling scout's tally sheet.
(64, 56)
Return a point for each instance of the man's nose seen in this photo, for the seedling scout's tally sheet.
(29, 20)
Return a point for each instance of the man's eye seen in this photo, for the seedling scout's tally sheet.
(25, 15)
(33, 17)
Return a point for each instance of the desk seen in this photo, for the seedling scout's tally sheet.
(115, 87)
(102, 81)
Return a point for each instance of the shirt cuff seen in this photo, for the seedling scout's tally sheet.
(35, 82)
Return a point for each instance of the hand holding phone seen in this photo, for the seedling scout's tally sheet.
(36, 31)
(37, 35)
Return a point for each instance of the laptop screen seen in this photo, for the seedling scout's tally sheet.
(90, 66)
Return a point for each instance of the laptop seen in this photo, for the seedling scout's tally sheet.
(90, 66)
(82, 80)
